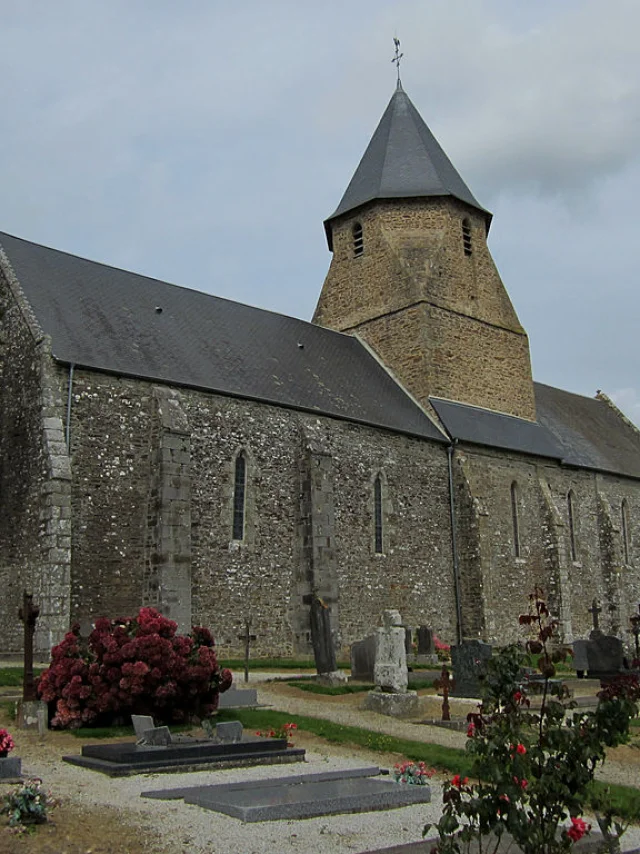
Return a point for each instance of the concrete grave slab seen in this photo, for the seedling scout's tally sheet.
(235, 698)
(304, 797)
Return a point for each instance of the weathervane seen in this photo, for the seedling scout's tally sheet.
(396, 59)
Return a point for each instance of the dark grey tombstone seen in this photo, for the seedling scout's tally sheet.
(469, 663)
(363, 659)
(408, 640)
(604, 656)
(580, 662)
(323, 651)
(425, 641)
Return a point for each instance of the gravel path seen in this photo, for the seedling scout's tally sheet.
(190, 830)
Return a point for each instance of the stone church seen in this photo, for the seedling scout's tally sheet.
(223, 463)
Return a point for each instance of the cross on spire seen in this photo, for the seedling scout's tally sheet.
(398, 56)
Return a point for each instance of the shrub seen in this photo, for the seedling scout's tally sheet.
(135, 665)
(27, 805)
(533, 768)
(6, 742)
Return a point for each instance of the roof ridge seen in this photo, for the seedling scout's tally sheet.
(600, 395)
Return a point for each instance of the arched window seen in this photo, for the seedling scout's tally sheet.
(571, 510)
(624, 518)
(466, 236)
(239, 489)
(358, 239)
(514, 519)
(377, 514)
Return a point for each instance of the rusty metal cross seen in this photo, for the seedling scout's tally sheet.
(443, 685)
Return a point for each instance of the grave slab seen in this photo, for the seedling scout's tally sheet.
(305, 797)
(127, 758)
(236, 698)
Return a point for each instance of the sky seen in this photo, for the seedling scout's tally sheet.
(204, 143)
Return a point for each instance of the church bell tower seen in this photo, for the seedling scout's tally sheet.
(412, 275)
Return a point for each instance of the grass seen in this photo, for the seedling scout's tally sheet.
(237, 664)
(118, 731)
(445, 758)
(8, 708)
(11, 677)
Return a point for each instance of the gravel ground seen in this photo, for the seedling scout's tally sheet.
(191, 830)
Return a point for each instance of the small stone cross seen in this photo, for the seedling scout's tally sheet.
(28, 614)
(443, 685)
(247, 637)
(594, 610)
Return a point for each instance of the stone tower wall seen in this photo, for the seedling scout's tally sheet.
(441, 320)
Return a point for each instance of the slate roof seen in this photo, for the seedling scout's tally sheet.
(105, 318)
(575, 430)
(403, 160)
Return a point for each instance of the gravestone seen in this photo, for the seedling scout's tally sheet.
(600, 657)
(323, 650)
(142, 723)
(426, 645)
(408, 640)
(10, 768)
(159, 736)
(469, 662)
(390, 672)
(604, 656)
(363, 659)
(580, 660)
(229, 732)
(235, 698)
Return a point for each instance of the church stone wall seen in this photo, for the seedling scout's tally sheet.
(268, 576)
(503, 580)
(34, 475)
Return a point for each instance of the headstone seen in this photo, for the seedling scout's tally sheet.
(426, 645)
(408, 640)
(469, 662)
(236, 699)
(390, 672)
(142, 723)
(604, 656)
(580, 661)
(363, 659)
(323, 651)
(10, 768)
(159, 736)
(229, 732)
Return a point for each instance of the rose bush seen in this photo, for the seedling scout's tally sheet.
(135, 665)
(532, 767)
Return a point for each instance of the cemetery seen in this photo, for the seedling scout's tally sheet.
(219, 774)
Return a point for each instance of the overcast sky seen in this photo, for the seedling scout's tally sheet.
(205, 142)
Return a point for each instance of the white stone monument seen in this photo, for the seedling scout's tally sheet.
(390, 672)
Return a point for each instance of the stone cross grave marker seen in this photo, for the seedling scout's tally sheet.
(247, 637)
(595, 610)
(443, 685)
(28, 614)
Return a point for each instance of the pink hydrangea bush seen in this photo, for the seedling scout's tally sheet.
(135, 665)
(6, 742)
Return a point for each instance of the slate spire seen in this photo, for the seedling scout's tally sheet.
(403, 160)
